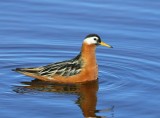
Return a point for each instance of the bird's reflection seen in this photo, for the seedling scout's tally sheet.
(87, 93)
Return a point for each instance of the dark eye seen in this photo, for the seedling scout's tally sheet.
(95, 39)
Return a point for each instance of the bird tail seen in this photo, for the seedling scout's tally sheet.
(32, 72)
(28, 71)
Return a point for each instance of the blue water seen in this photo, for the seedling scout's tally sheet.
(35, 33)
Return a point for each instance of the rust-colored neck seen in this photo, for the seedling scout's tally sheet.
(88, 53)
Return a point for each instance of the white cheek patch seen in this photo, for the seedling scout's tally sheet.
(90, 40)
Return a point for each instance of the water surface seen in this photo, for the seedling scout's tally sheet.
(35, 33)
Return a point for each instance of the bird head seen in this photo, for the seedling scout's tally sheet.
(94, 39)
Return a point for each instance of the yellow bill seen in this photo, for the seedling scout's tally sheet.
(105, 44)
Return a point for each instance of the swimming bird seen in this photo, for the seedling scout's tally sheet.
(82, 68)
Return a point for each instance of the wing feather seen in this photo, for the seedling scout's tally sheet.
(66, 68)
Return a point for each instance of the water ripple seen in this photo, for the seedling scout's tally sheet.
(36, 33)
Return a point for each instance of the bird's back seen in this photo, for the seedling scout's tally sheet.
(65, 68)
